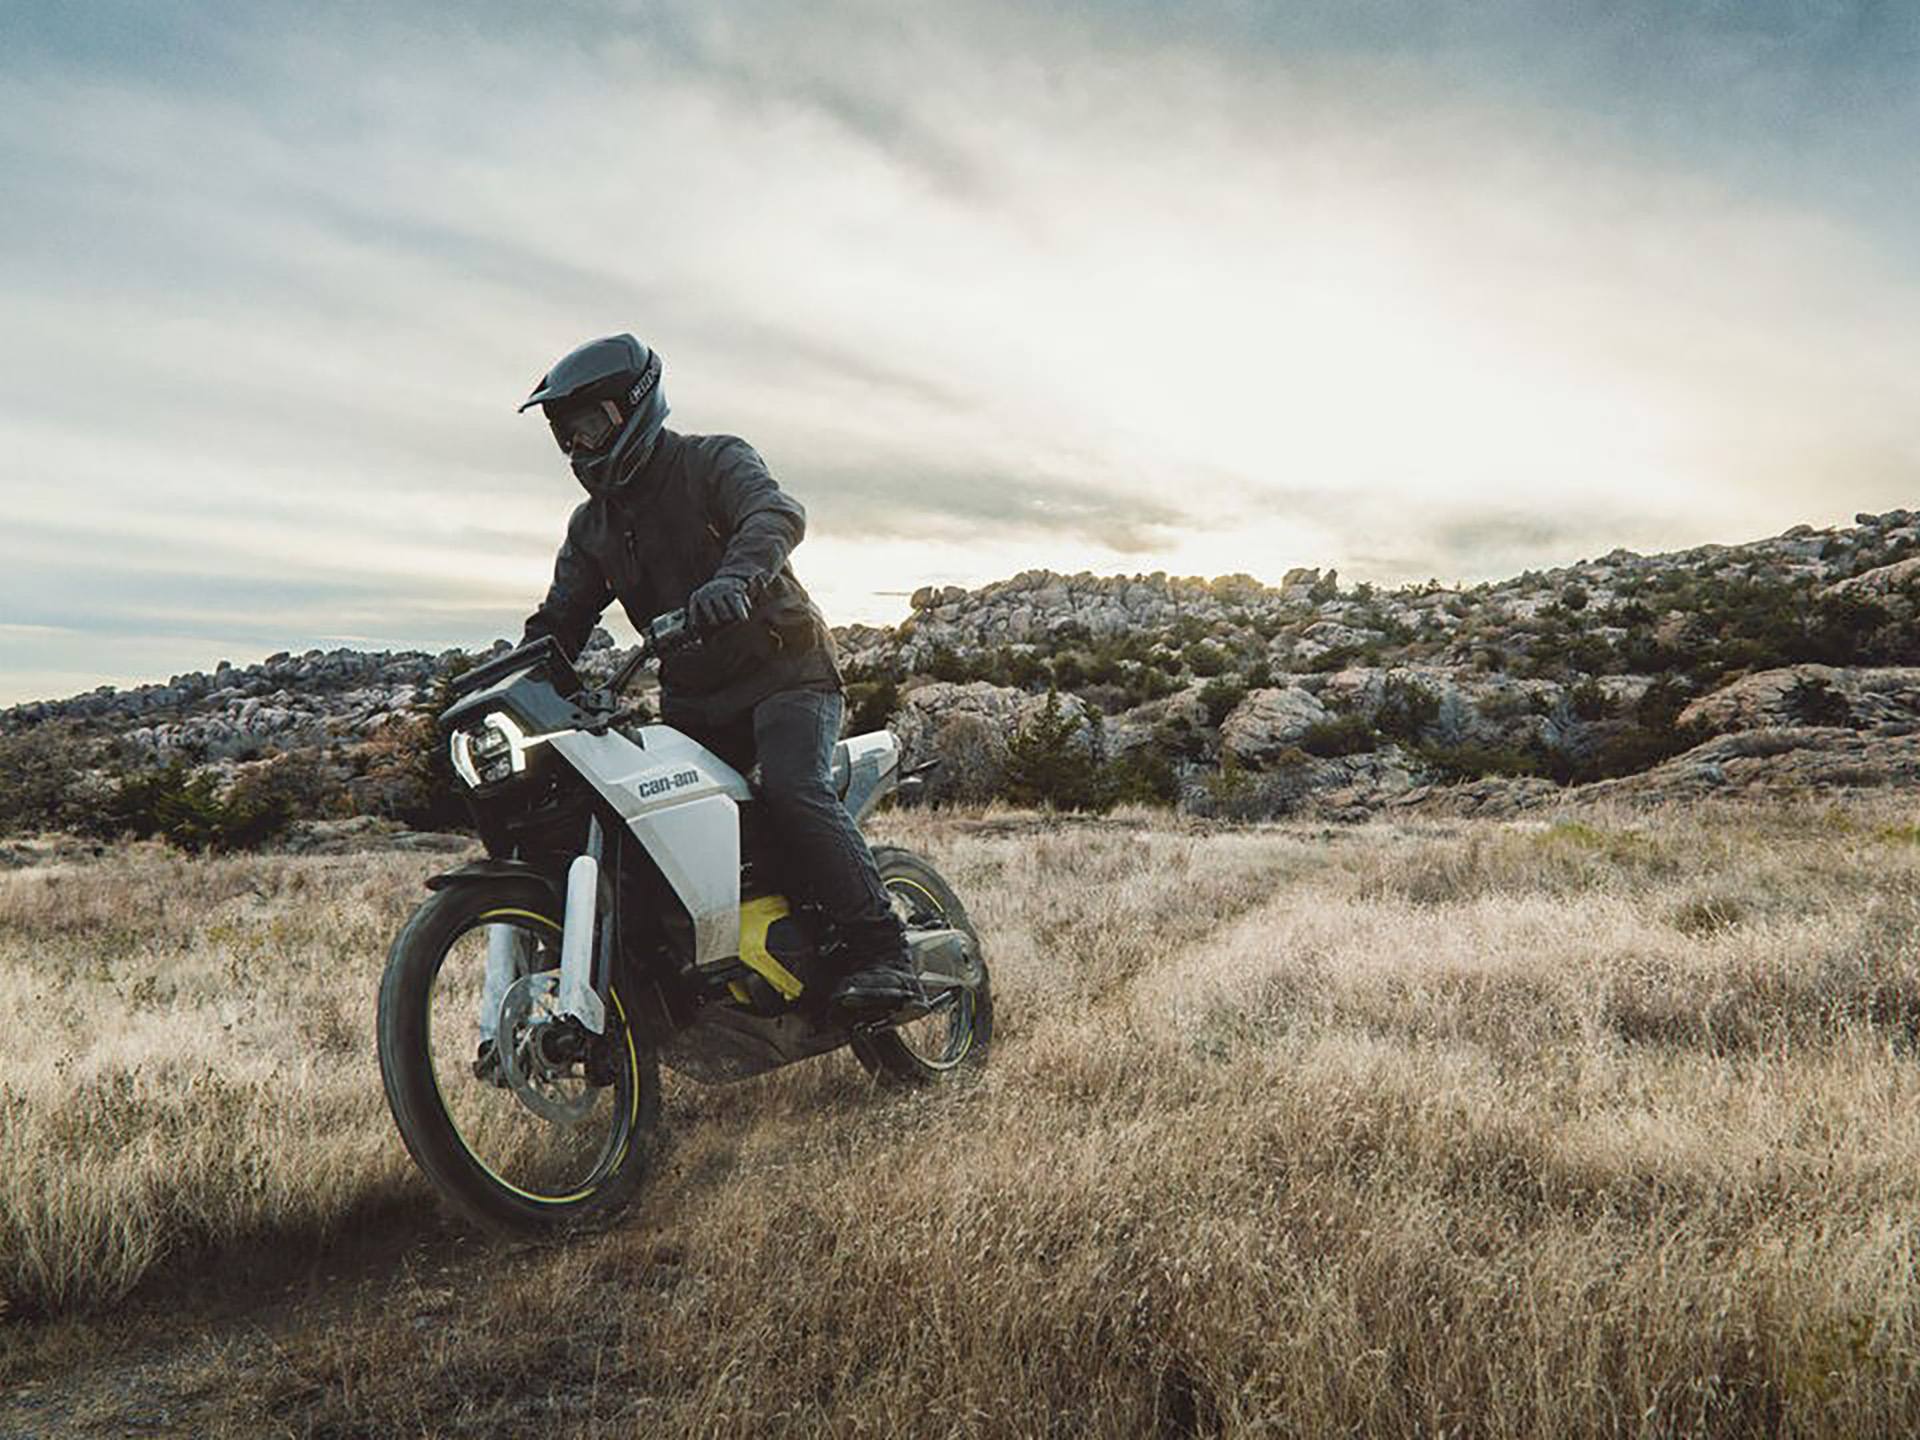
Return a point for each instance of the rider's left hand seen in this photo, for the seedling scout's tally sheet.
(721, 602)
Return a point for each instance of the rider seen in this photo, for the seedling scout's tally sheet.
(696, 520)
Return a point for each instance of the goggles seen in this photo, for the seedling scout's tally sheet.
(587, 430)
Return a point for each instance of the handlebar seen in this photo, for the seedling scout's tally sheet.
(660, 637)
(667, 633)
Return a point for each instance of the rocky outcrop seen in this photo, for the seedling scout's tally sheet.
(1884, 699)
(1197, 681)
(1759, 763)
(967, 727)
(1896, 585)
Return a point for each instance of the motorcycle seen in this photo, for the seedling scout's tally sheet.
(629, 913)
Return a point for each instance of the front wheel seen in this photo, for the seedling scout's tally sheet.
(528, 1124)
(956, 1033)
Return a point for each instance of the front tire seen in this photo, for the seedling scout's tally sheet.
(952, 1039)
(500, 1163)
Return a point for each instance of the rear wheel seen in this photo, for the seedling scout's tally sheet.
(955, 1034)
(540, 1127)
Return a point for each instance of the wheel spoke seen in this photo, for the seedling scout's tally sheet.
(941, 1038)
(539, 1128)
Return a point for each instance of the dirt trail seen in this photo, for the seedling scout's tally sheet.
(143, 1369)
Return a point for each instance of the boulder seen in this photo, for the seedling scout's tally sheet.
(925, 709)
(1269, 722)
(1773, 762)
(1882, 698)
(1894, 586)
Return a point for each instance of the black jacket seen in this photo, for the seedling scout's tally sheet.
(701, 506)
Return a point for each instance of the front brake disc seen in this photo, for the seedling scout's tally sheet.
(526, 1010)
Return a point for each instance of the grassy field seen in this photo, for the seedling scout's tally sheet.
(1606, 1125)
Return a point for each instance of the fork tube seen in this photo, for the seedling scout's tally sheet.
(507, 947)
(577, 996)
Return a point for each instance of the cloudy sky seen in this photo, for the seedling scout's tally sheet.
(1409, 287)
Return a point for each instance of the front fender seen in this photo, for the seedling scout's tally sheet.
(477, 870)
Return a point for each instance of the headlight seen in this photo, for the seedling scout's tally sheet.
(494, 752)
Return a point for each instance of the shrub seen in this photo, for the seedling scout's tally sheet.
(1472, 761)
(1144, 776)
(1342, 735)
(1654, 734)
(972, 759)
(1335, 657)
(1069, 672)
(1219, 695)
(409, 771)
(1813, 701)
(1589, 700)
(1234, 793)
(1406, 709)
(1204, 658)
(40, 770)
(264, 800)
(1149, 682)
(1051, 760)
(186, 809)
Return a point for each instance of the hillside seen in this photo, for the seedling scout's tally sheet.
(1784, 663)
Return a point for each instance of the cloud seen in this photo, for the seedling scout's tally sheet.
(1408, 288)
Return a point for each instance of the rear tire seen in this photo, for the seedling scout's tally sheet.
(415, 1065)
(947, 1042)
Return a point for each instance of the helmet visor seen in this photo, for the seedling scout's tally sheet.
(586, 429)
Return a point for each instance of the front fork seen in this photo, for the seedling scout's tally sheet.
(510, 949)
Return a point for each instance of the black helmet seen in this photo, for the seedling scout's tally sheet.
(606, 406)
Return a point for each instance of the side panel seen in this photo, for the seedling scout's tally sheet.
(697, 847)
(680, 801)
(863, 770)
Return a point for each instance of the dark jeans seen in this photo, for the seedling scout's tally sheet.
(792, 733)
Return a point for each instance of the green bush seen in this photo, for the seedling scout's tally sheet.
(1219, 695)
(1813, 701)
(1589, 700)
(1473, 761)
(1141, 776)
(1204, 658)
(1342, 735)
(1052, 760)
(1234, 793)
(1068, 672)
(40, 772)
(409, 772)
(1653, 734)
(186, 809)
(1406, 709)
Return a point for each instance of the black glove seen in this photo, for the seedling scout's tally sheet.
(721, 602)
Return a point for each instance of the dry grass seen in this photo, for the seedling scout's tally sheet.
(1597, 1126)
